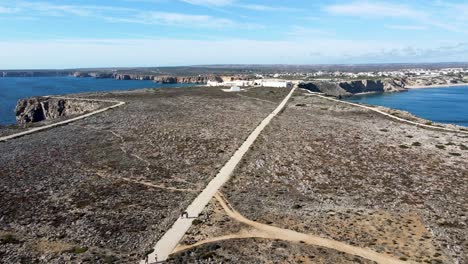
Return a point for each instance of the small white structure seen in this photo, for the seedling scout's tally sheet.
(235, 89)
(239, 83)
(274, 83)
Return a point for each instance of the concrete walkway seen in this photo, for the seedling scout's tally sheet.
(166, 245)
(61, 123)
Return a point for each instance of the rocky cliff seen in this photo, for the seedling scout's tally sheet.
(349, 88)
(38, 73)
(43, 108)
(163, 79)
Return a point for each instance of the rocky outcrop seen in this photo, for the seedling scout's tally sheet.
(354, 87)
(38, 109)
(434, 81)
(163, 79)
(43, 73)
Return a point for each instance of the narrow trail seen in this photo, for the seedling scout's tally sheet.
(65, 122)
(272, 232)
(257, 99)
(387, 114)
(157, 186)
(169, 241)
(240, 235)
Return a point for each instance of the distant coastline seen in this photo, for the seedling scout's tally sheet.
(435, 86)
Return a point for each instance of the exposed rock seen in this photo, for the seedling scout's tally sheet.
(81, 74)
(163, 79)
(38, 73)
(354, 87)
(37, 109)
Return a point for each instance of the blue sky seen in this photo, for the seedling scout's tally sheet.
(105, 33)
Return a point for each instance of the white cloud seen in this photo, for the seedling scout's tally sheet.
(50, 9)
(421, 14)
(406, 27)
(179, 19)
(257, 7)
(130, 15)
(305, 32)
(210, 2)
(233, 3)
(8, 10)
(374, 9)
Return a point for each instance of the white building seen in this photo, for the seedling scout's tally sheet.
(274, 83)
(262, 83)
(239, 83)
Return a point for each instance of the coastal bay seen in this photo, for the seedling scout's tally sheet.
(14, 88)
(447, 105)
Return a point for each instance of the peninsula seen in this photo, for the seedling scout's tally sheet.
(323, 180)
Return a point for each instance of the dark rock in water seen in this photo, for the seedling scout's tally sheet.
(37, 109)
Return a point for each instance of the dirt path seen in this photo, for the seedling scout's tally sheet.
(272, 232)
(387, 114)
(157, 186)
(68, 121)
(174, 235)
(256, 99)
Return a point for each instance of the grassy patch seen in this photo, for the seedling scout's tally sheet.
(416, 144)
(296, 206)
(463, 147)
(440, 146)
(404, 147)
(384, 130)
(455, 154)
(80, 250)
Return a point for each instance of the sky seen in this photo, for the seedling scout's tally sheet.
(59, 34)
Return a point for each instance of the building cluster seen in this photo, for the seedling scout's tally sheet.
(373, 74)
(253, 83)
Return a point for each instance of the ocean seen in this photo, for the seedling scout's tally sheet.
(447, 105)
(14, 88)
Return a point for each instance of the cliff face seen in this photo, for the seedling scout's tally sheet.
(42, 108)
(163, 79)
(354, 87)
(33, 73)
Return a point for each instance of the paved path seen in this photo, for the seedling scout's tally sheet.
(61, 123)
(387, 114)
(172, 237)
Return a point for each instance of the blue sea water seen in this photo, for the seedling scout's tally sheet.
(447, 105)
(14, 88)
